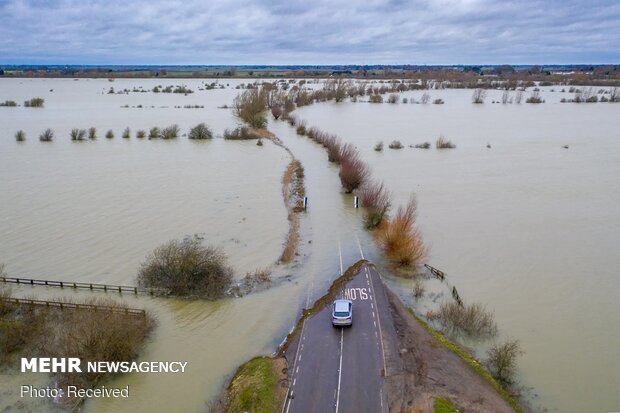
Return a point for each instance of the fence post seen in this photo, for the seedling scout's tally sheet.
(305, 203)
(356, 202)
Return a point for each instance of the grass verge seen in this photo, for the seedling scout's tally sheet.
(443, 405)
(255, 387)
(471, 362)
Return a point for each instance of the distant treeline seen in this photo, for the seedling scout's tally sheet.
(565, 74)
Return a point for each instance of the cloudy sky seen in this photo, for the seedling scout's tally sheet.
(309, 31)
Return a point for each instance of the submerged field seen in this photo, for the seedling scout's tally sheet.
(526, 227)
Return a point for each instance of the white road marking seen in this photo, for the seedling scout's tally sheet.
(375, 323)
(373, 314)
(372, 306)
(339, 370)
(359, 245)
(294, 381)
(380, 333)
(289, 398)
(297, 370)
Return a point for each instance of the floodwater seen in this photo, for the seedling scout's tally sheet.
(526, 227)
(92, 211)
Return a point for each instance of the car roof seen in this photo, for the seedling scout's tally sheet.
(342, 305)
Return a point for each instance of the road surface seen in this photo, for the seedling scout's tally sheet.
(336, 369)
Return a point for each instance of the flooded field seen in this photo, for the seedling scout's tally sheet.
(527, 227)
(92, 211)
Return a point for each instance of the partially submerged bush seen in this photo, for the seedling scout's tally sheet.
(438, 101)
(171, 132)
(126, 133)
(301, 128)
(154, 133)
(92, 133)
(200, 131)
(240, 133)
(47, 135)
(277, 111)
(443, 143)
(34, 103)
(400, 239)
(20, 136)
(187, 268)
(375, 198)
(503, 361)
(478, 96)
(249, 106)
(375, 99)
(472, 320)
(396, 144)
(141, 134)
(8, 103)
(353, 173)
(379, 146)
(109, 134)
(393, 98)
(78, 134)
(425, 145)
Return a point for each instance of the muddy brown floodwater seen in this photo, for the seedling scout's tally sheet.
(527, 227)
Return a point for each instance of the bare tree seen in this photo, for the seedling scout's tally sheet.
(478, 96)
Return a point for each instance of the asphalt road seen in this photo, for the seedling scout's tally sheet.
(341, 369)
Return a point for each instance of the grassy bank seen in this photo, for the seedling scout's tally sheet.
(257, 387)
(470, 361)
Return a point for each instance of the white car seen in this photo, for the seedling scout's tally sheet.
(342, 313)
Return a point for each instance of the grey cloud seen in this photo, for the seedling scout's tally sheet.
(309, 32)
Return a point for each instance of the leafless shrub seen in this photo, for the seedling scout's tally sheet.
(78, 134)
(301, 127)
(472, 320)
(375, 98)
(425, 145)
(250, 105)
(187, 268)
(479, 96)
(614, 95)
(141, 134)
(126, 133)
(379, 146)
(443, 143)
(333, 146)
(400, 239)
(154, 133)
(47, 135)
(375, 198)
(426, 97)
(518, 96)
(20, 136)
(503, 361)
(396, 144)
(534, 98)
(276, 111)
(171, 132)
(393, 98)
(240, 133)
(418, 288)
(256, 277)
(353, 173)
(438, 101)
(505, 97)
